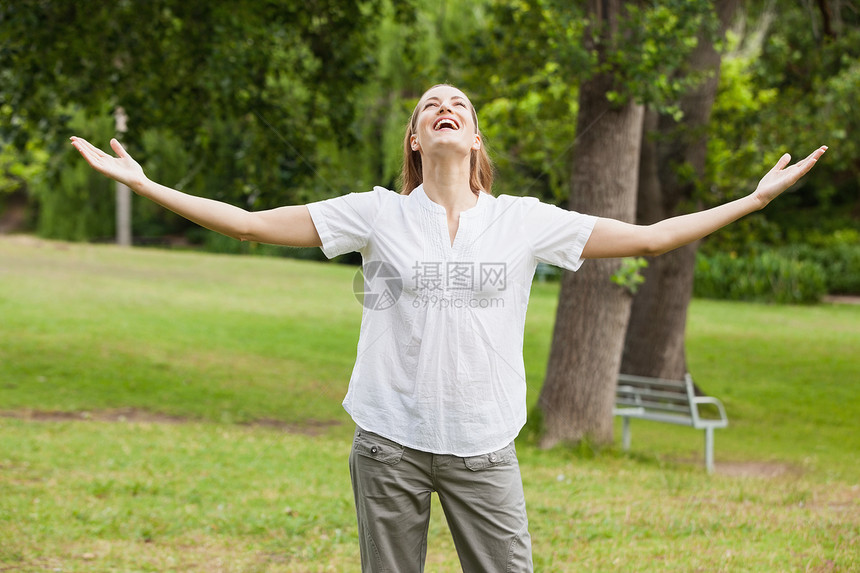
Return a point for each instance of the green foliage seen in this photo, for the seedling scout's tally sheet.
(786, 85)
(739, 150)
(839, 258)
(204, 59)
(269, 103)
(628, 274)
(528, 83)
(768, 277)
(75, 202)
(817, 76)
(19, 166)
(651, 50)
(259, 93)
(164, 158)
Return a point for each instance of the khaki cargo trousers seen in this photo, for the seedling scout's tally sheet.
(481, 496)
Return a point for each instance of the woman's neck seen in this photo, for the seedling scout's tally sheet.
(448, 185)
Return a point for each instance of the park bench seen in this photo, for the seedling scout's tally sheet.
(669, 401)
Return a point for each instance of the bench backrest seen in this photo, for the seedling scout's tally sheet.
(673, 397)
(667, 400)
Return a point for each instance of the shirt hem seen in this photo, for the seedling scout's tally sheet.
(370, 427)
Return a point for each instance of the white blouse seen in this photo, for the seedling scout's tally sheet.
(439, 366)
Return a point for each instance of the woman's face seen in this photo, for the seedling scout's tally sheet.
(445, 121)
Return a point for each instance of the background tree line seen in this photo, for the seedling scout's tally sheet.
(633, 109)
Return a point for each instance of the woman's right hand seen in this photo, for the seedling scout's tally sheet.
(121, 168)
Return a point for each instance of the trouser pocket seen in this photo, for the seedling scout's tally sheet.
(504, 457)
(376, 447)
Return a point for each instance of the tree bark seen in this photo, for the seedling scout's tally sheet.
(654, 343)
(579, 391)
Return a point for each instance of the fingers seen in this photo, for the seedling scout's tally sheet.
(98, 159)
(813, 157)
(94, 156)
(783, 161)
(86, 149)
(810, 160)
(118, 148)
(803, 165)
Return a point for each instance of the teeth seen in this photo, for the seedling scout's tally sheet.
(446, 123)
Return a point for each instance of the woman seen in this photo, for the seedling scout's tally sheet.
(438, 388)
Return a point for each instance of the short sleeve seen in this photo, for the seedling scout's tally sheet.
(345, 223)
(557, 236)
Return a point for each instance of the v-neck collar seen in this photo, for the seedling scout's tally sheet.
(441, 216)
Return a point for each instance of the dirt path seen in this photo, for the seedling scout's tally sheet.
(137, 416)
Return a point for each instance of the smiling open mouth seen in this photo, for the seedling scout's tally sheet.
(445, 123)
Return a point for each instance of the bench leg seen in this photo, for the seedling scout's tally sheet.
(709, 450)
(625, 433)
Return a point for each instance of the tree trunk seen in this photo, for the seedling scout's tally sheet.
(654, 344)
(579, 391)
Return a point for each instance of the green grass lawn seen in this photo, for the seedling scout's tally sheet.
(173, 354)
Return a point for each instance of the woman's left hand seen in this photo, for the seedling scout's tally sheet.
(781, 177)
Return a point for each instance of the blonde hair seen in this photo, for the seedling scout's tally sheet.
(412, 175)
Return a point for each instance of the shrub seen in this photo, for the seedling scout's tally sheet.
(767, 277)
(840, 261)
(75, 202)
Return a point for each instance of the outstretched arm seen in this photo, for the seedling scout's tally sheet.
(611, 238)
(291, 226)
